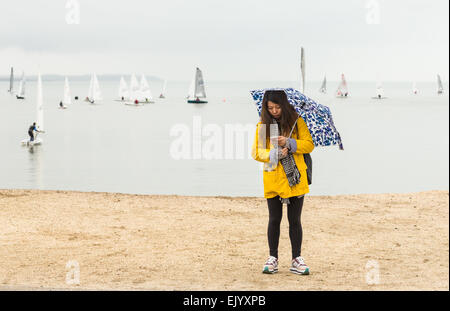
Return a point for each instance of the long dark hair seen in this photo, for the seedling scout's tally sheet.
(288, 113)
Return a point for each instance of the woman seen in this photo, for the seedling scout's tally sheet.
(282, 138)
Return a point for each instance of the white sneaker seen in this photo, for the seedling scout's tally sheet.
(299, 267)
(271, 265)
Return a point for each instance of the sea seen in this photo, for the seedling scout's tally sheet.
(396, 145)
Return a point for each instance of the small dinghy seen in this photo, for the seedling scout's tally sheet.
(39, 116)
(163, 93)
(67, 99)
(11, 81)
(21, 93)
(440, 85)
(379, 94)
(197, 89)
(123, 91)
(323, 87)
(415, 91)
(342, 91)
(94, 94)
(145, 95)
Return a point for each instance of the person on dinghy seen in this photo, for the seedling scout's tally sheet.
(31, 131)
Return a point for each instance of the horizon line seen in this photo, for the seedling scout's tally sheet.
(56, 77)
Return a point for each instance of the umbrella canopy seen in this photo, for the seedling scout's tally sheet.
(317, 117)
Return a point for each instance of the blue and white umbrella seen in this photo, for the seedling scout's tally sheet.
(317, 117)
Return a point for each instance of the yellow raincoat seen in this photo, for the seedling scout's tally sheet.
(275, 181)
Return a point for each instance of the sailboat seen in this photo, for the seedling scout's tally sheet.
(124, 91)
(323, 87)
(415, 91)
(21, 93)
(302, 68)
(145, 94)
(440, 86)
(11, 81)
(67, 99)
(39, 116)
(342, 91)
(379, 93)
(94, 90)
(133, 91)
(163, 90)
(197, 89)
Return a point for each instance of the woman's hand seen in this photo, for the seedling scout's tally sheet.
(282, 141)
(284, 152)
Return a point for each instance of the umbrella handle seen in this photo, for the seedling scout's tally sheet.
(290, 134)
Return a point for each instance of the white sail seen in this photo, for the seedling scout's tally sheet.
(134, 88)
(11, 81)
(440, 85)
(39, 105)
(123, 89)
(323, 87)
(191, 93)
(199, 85)
(342, 88)
(163, 93)
(379, 90)
(97, 94)
(414, 89)
(302, 67)
(144, 91)
(94, 89)
(67, 98)
(21, 91)
(91, 88)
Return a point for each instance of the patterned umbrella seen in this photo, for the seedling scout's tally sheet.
(317, 117)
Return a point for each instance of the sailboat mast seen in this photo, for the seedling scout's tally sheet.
(67, 97)
(323, 87)
(440, 86)
(164, 86)
(11, 80)
(39, 104)
(302, 67)
(196, 82)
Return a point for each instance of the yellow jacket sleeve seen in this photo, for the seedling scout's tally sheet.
(261, 147)
(304, 140)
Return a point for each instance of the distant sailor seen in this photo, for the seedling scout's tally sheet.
(31, 131)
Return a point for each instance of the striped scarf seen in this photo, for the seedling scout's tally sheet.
(290, 168)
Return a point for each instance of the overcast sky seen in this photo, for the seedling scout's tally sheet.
(239, 40)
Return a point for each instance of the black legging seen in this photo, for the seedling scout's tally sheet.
(294, 211)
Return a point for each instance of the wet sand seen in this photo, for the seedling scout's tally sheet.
(152, 242)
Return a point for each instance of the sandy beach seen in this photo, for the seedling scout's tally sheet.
(151, 242)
